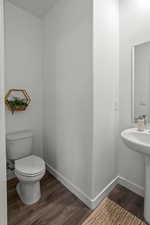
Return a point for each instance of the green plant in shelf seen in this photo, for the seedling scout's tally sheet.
(17, 104)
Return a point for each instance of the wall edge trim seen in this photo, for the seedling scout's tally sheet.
(131, 186)
(69, 185)
(91, 203)
(104, 193)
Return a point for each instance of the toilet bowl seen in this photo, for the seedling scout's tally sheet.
(29, 171)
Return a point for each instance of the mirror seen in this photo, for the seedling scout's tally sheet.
(141, 80)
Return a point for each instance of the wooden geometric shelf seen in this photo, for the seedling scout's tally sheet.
(17, 100)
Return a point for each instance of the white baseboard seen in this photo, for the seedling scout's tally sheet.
(104, 193)
(131, 186)
(91, 203)
(70, 186)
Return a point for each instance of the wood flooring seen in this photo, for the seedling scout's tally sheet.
(128, 200)
(58, 206)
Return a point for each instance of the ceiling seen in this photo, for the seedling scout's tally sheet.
(36, 7)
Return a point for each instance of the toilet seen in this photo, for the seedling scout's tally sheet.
(29, 169)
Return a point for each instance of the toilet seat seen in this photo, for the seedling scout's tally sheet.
(30, 166)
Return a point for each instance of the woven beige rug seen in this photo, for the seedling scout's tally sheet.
(109, 213)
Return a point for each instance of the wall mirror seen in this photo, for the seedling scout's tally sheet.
(141, 80)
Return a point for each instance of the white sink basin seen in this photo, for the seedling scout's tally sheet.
(139, 141)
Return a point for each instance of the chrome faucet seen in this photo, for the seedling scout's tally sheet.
(145, 117)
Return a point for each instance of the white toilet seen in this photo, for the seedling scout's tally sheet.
(29, 168)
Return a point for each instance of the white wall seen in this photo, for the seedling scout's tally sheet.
(105, 22)
(3, 188)
(24, 58)
(68, 91)
(73, 131)
(80, 82)
(81, 78)
(134, 29)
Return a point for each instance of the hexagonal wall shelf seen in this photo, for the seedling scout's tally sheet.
(17, 100)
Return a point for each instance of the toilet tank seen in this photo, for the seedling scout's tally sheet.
(19, 144)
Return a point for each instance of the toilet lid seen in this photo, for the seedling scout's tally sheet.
(30, 165)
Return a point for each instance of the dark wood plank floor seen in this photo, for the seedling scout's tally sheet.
(58, 206)
(128, 200)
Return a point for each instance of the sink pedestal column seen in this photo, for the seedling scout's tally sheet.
(147, 190)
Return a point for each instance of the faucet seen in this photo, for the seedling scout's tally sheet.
(145, 117)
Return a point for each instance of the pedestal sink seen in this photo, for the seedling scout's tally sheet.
(139, 141)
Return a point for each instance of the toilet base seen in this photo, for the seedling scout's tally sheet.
(29, 193)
